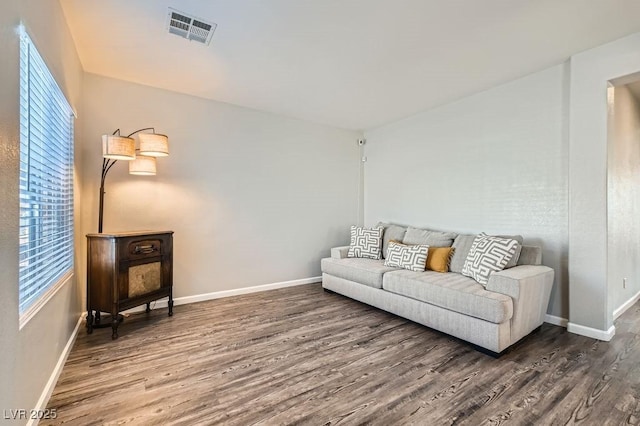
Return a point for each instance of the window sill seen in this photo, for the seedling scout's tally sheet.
(31, 312)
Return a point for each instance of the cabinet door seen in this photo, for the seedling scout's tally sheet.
(145, 278)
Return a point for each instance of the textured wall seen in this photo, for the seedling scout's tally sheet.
(9, 158)
(623, 200)
(493, 162)
(590, 71)
(254, 198)
(28, 356)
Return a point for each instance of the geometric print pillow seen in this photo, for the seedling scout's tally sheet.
(366, 242)
(488, 254)
(411, 257)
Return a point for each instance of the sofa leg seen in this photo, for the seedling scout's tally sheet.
(486, 351)
(328, 291)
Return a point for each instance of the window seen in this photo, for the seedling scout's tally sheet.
(46, 182)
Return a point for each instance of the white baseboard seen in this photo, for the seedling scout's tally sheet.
(53, 379)
(163, 303)
(552, 319)
(592, 332)
(626, 305)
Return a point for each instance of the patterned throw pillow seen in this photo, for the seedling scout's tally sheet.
(413, 258)
(365, 242)
(488, 254)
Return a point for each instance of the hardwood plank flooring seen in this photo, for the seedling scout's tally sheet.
(302, 356)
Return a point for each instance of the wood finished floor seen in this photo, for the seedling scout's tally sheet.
(303, 356)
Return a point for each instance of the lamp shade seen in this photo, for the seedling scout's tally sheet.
(118, 147)
(143, 165)
(154, 144)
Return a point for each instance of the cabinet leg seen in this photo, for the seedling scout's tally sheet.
(97, 318)
(114, 328)
(89, 321)
(148, 307)
(170, 308)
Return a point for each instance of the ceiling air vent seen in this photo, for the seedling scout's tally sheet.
(190, 27)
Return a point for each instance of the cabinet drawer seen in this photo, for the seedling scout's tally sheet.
(141, 248)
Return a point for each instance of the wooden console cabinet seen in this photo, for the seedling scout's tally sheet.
(125, 270)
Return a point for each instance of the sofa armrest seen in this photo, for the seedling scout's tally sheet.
(530, 288)
(510, 281)
(339, 252)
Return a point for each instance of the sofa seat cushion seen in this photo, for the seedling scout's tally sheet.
(450, 291)
(364, 271)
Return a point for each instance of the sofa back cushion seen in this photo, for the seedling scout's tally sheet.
(428, 237)
(530, 255)
(391, 232)
(461, 246)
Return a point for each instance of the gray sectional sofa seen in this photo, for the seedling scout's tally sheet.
(512, 305)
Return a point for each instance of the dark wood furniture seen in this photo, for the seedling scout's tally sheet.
(125, 270)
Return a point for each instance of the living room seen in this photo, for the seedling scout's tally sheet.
(472, 116)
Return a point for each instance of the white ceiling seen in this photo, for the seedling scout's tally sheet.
(355, 64)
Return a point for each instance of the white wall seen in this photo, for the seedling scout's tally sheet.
(28, 356)
(9, 157)
(589, 308)
(254, 198)
(494, 162)
(623, 201)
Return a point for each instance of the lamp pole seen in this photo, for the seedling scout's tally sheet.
(106, 166)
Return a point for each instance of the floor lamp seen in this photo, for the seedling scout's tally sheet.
(142, 161)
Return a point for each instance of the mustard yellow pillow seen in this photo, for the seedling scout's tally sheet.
(438, 258)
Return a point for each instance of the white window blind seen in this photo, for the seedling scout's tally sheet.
(46, 179)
